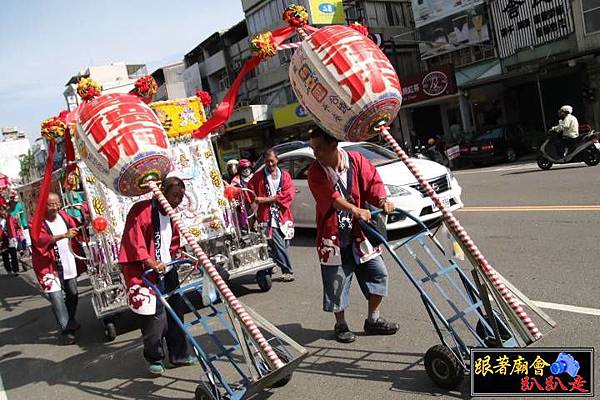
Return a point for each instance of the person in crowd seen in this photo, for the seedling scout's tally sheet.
(151, 241)
(342, 183)
(568, 127)
(275, 193)
(9, 240)
(232, 170)
(57, 268)
(17, 210)
(245, 168)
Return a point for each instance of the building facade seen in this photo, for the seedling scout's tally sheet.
(169, 80)
(114, 78)
(14, 145)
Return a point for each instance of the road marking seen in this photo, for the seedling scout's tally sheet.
(524, 208)
(566, 307)
(2, 392)
(492, 169)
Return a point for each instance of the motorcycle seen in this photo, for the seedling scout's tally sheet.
(585, 148)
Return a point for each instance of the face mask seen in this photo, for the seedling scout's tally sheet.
(246, 172)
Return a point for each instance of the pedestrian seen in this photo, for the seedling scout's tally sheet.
(56, 267)
(151, 241)
(275, 193)
(9, 241)
(245, 168)
(232, 170)
(16, 209)
(342, 183)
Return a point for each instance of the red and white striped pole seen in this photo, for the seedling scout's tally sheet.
(462, 234)
(213, 274)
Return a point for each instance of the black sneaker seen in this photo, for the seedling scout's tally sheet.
(343, 334)
(67, 338)
(381, 327)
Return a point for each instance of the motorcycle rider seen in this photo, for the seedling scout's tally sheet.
(568, 126)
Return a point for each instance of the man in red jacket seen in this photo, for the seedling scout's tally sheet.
(56, 268)
(9, 240)
(275, 193)
(151, 241)
(342, 183)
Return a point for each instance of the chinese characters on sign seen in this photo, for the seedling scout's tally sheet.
(539, 372)
(525, 23)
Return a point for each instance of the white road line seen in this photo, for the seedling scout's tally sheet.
(2, 392)
(566, 307)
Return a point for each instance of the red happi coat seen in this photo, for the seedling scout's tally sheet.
(137, 245)
(284, 199)
(13, 231)
(43, 255)
(366, 187)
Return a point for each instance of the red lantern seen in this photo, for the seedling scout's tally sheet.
(100, 224)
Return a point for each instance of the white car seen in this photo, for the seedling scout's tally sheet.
(401, 186)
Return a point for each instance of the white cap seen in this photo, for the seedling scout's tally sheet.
(567, 109)
(233, 162)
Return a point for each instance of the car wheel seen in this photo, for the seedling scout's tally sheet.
(511, 155)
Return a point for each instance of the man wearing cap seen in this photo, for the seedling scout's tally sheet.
(568, 126)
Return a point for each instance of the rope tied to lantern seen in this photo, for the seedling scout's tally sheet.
(87, 89)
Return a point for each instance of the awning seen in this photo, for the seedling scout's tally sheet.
(431, 102)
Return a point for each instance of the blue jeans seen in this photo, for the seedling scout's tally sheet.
(278, 251)
(64, 304)
(372, 278)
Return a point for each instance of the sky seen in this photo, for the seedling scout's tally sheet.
(45, 42)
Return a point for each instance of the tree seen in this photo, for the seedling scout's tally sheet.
(26, 161)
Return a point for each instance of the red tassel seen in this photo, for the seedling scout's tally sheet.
(40, 210)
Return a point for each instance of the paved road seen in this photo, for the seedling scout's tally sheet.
(518, 218)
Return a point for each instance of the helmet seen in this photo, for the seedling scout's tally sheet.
(567, 109)
(244, 163)
(232, 162)
(431, 141)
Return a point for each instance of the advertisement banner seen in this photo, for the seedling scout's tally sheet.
(465, 28)
(523, 24)
(289, 115)
(427, 11)
(327, 12)
(429, 85)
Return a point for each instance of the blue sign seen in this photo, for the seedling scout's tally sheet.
(301, 112)
(327, 8)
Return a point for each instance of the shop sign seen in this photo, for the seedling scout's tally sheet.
(427, 11)
(327, 12)
(521, 24)
(289, 115)
(429, 85)
(465, 28)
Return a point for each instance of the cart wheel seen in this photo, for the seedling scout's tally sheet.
(443, 367)
(284, 358)
(110, 331)
(263, 278)
(202, 393)
(483, 333)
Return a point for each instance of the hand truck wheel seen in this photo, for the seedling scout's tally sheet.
(202, 393)
(443, 367)
(264, 280)
(110, 331)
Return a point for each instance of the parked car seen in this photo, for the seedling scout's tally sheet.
(503, 143)
(401, 186)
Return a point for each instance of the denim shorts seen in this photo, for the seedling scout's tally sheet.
(372, 278)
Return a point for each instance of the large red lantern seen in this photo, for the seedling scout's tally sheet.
(346, 82)
(123, 143)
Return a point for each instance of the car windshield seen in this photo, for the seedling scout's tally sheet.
(376, 154)
(496, 133)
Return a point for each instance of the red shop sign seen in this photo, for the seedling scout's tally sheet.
(429, 85)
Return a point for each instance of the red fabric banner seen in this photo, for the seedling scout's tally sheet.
(40, 210)
(225, 109)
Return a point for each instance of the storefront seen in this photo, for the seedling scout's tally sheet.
(292, 122)
(431, 106)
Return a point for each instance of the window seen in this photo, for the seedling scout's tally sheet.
(376, 154)
(297, 166)
(591, 16)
